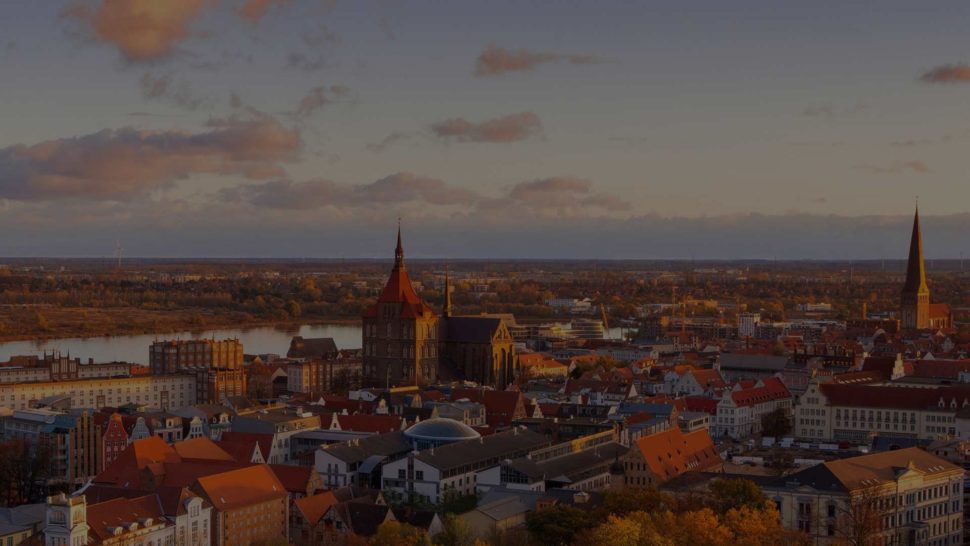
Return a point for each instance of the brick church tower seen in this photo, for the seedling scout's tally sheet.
(400, 338)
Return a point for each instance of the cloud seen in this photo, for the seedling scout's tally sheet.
(405, 186)
(321, 36)
(897, 167)
(302, 61)
(142, 30)
(563, 192)
(826, 110)
(947, 73)
(510, 128)
(320, 96)
(165, 88)
(388, 141)
(394, 190)
(253, 11)
(123, 164)
(496, 60)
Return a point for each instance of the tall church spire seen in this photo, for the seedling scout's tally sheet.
(915, 268)
(915, 296)
(447, 309)
(399, 251)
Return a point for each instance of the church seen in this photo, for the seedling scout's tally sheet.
(916, 311)
(405, 342)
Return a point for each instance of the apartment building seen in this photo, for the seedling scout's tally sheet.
(739, 412)
(902, 498)
(166, 391)
(250, 506)
(835, 411)
(453, 468)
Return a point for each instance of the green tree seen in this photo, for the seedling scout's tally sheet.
(776, 423)
(557, 525)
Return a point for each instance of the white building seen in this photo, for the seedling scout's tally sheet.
(165, 391)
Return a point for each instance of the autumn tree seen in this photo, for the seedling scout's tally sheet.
(859, 520)
(394, 533)
(735, 493)
(455, 532)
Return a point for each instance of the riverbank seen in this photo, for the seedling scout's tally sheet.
(42, 323)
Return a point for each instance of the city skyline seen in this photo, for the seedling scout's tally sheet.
(658, 130)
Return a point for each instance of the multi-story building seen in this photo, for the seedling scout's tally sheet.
(166, 391)
(147, 520)
(72, 442)
(217, 365)
(172, 356)
(739, 412)
(318, 376)
(857, 412)
(250, 505)
(903, 497)
(114, 437)
(747, 324)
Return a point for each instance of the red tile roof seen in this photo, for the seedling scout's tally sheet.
(772, 389)
(243, 487)
(671, 453)
(376, 424)
(104, 517)
(201, 448)
(315, 506)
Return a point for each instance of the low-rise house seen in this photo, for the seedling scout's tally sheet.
(19, 523)
(653, 460)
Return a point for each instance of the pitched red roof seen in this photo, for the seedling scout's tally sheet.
(315, 506)
(243, 487)
(250, 439)
(671, 453)
(294, 478)
(376, 424)
(772, 389)
(104, 517)
(201, 448)
(398, 289)
(892, 397)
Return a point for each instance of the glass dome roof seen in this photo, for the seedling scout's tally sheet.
(441, 429)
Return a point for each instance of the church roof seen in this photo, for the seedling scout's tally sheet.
(472, 329)
(398, 289)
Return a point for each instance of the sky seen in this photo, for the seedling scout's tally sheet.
(500, 129)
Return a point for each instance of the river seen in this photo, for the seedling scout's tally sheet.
(256, 340)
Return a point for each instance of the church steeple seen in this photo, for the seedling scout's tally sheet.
(915, 268)
(447, 309)
(399, 251)
(915, 296)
